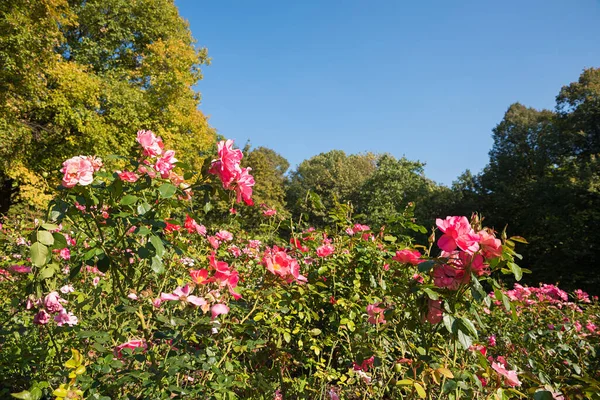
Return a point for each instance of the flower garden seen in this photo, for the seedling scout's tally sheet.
(129, 288)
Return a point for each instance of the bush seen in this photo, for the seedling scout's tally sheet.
(122, 293)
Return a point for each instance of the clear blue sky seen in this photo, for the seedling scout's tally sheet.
(424, 79)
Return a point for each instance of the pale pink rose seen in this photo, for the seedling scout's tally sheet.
(218, 309)
(41, 318)
(96, 162)
(165, 164)
(132, 296)
(214, 242)
(151, 143)
(67, 289)
(183, 294)
(224, 235)
(65, 318)
(510, 377)
(52, 302)
(490, 245)
(95, 281)
(77, 170)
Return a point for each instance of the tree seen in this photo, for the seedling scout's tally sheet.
(268, 169)
(81, 76)
(332, 176)
(386, 193)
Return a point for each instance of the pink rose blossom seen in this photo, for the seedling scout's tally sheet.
(151, 143)
(192, 226)
(41, 318)
(165, 164)
(325, 250)
(218, 309)
(269, 212)
(224, 236)
(376, 314)
(434, 311)
(510, 377)
(408, 256)
(182, 294)
(67, 289)
(127, 176)
(52, 302)
(77, 170)
(65, 318)
(457, 233)
(65, 253)
(20, 269)
(132, 345)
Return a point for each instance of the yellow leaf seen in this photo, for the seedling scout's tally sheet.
(446, 372)
(420, 391)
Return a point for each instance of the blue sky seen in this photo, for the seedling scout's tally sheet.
(424, 79)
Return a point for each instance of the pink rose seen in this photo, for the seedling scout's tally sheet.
(218, 309)
(132, 345)
(151, 143)
(41, 318)
(325, 250)
(52, 302)
(165, 164)
(128, 176)
(77, 170)
(65, 318)
(408, 256)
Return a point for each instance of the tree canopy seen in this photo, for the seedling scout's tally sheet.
(78, 76)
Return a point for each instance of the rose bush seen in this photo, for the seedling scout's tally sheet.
(122, 291)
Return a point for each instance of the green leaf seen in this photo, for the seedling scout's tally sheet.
(516, 270)
(47, 272)
(390, 238)
(38, 253)
(50, 227)
(287, 337)
(45, 237)
(425, 266)
(468, 325)
(166, 190)
(158, 245)
(59, 240)
(25, 395)
(542, 395)
(143, 208)
(464, 340)
(157, 265)
(128, 200)
(431, 294)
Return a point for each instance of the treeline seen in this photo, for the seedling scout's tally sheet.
(543, 178)
(78, 77)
